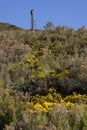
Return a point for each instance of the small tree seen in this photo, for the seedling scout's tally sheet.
(49, 26)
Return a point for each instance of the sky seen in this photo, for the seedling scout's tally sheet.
(70, 13)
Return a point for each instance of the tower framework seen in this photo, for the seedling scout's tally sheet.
(32, 20)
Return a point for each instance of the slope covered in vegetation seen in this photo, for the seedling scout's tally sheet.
(39, 70)
(36, 61)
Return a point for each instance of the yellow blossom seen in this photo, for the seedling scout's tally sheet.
(39, 108)
(69, 104)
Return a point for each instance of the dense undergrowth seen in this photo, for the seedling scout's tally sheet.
(43, 78)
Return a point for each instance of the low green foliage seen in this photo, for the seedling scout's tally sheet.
(43, 78)
(26, 112)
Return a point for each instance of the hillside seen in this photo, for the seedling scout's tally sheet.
(40, 66)
(57, 58)
(8, 27)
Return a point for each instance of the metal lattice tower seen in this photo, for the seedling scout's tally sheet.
(32, 20)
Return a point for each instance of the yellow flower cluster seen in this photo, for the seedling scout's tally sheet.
(39, 108)
(69, 104)
(45, 107)
(63, 74)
